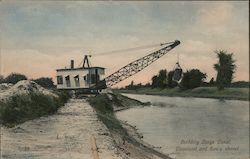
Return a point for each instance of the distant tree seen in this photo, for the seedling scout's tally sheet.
(147, 85)
(1, 79)
(14, 78)
(45, 82)
(225, 69)
(211, 82)
(170, 82)
(130, 86)
(133, 86)
(160, 80)
(192, 79)
(241, 84)
(154, 81)
(205, 84)
(132, 83)
(139, 85)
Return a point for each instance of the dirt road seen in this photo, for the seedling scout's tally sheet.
(64, 135)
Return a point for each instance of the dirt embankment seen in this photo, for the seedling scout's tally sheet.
(27, 100)
(64, 135)
(126, 138)
(8, 90)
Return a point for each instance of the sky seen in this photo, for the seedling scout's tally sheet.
(39, 37)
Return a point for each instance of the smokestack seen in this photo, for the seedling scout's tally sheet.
(71, 64)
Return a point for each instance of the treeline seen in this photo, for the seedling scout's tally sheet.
(13, 78)
(190, 80)
(193, 78)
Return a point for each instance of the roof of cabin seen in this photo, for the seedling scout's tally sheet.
(80, 68)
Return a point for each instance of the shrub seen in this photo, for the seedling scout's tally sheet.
(1, 79)
(103, 106)
(20, 108)
(45, 82)
(160, 80)
(170, 82)
(63, 96)
(14, 78)
(192, 79)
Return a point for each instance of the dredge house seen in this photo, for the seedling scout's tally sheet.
(81, 78)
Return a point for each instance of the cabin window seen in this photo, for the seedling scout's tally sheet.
(77, 81)
(67, 78)
(59, 80)
(92, 78)
(88, 78)
(96, 76)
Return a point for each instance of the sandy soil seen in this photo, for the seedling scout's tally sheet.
(64, 135)
(22, 87)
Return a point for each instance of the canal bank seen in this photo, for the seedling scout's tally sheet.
(126, 137)
(201, 92)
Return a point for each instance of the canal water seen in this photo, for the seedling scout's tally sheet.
(192, 128)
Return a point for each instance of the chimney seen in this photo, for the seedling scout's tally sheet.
(71, 64)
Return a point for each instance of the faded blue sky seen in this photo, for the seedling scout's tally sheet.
(39, 37)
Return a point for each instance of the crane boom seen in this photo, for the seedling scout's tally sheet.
(135, 66)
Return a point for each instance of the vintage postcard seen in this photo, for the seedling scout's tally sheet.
(124, 79)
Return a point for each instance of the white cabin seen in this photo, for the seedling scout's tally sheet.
(79, 78)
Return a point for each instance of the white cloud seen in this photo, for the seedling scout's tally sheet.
(214, 19)
(196, 47)
(215, 15)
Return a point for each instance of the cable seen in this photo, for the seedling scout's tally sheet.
(178, 57)
(129, 49)
(126, 50)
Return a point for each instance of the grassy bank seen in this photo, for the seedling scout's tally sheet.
(203, 92)
(104, 105)
(20, 108)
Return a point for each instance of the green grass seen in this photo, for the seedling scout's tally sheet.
(20, 108)
(203, 92)
(103, 106)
